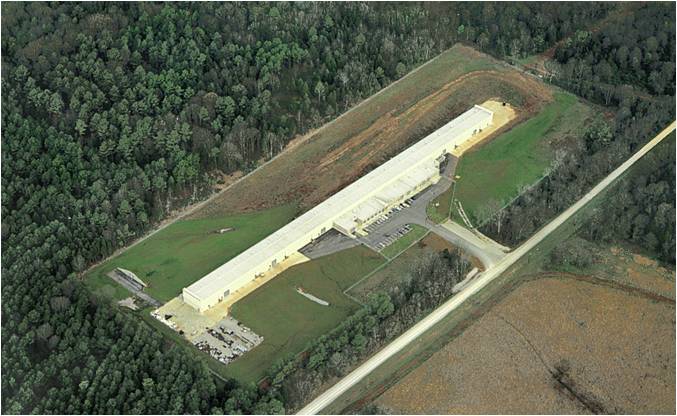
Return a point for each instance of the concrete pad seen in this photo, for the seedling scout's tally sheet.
(128, 303)
(184, 318)
(476, 238)
(502, 115)
(227, 340)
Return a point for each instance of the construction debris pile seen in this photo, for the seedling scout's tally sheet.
(164, 319)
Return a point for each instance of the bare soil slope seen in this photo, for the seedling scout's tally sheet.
(556, 344)
(337, 154)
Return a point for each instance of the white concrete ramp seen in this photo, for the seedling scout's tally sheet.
(485, 243)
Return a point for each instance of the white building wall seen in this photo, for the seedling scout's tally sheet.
(208, 291)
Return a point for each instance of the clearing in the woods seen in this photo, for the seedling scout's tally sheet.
(495, 172)
(188, 249)
(319, 164)
(312, 168)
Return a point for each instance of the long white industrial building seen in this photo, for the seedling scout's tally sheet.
(348, 211)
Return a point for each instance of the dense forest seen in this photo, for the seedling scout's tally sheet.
(638, 50)
(643, 103)
(115, 113)
(641, 209)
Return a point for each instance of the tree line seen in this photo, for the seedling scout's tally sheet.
(643, 212)
(637, 50)
(385, 316)
(641, 209)
(115, 113)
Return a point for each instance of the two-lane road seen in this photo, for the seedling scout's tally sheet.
(501, 266)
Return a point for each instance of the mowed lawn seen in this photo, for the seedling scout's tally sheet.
(287, 320)
(185, 251)
(520, 157)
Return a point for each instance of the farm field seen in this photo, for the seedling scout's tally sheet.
(626, 265)
(287, 320)
(187, 250)
(494, 173)
(559, 344)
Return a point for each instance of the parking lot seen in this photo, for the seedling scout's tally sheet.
(391, 238)
(373, 226)
(395, 223)
(385, 239)
(227, 340)
(328, 243)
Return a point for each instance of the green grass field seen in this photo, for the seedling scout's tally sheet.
(287, 320)
(185, 251)
(439, 208)
(520, 157)
(417, 232)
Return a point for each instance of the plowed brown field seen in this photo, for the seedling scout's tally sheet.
(557, 344)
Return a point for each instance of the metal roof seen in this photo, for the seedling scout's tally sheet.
(398, 168)
(388, 195)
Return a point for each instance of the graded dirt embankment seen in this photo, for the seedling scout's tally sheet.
(339, 153)
(554, 345)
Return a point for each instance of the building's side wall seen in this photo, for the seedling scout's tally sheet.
(194, 301)
(363, 223)
(264, 264)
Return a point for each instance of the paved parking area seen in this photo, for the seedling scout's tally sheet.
(380, 233)
(328, 243)
(227, 340)
(413, 211)
(391, 238)
(383, 233)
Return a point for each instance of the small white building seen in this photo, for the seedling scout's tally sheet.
(348, 211)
